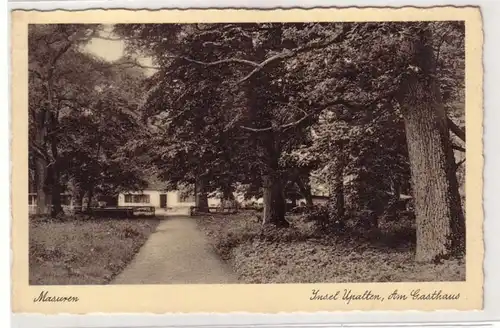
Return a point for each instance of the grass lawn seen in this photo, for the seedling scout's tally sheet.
(301, 255)
(84, 252)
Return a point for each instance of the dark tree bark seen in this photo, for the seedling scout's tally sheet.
(274, 201)
(54, 168)
(201, 198)
(272, 183)
(438, 210)
(227, 199)
(336, 204)
(268, 142)
(42, 161)
(78, 196)
(396, 190)
(90, 196)
(227, 193)
(42, 198)
(56, 193)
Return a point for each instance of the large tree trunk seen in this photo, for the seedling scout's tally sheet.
(90, 196)
(268, 143)
(272, 183)
(274, 201)
(78, 195)
(438, 210)
(201, 198)
(227, 193)
(336, 204)
(43, 203)
(227, 198)
(55, 176)
(42, 198)
(56, 195)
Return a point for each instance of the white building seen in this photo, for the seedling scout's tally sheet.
(156, 195)
(156, 198)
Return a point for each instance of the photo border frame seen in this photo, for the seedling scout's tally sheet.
(489, 143)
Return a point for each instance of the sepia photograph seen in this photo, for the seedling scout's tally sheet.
(246, 153)
(177, 153)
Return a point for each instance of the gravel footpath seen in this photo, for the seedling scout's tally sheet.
(176, 253)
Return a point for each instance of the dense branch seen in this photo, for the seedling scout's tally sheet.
(319, 109)
(357, 106)
(36, 73)
(456, 147)
(457, 165)
(456, 129)
(135, 64)
(107, 38)
(401, 196)
(280, 128)
(443, 38)
(256, 129)
(217, 62)
(291, 53)
(38, 151)
(62, 98)
(58, 55)
(259, 66)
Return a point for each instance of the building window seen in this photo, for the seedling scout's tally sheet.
(136, 199)
(186, 198)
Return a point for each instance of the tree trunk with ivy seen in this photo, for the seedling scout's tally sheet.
(78, 196)
(90, 196)
(227, 198)
(336, 203)
(438, 210)
(201, 197)
(54, 168)
(42, 192)
(56, 193)
(274, 201)
(41, 159)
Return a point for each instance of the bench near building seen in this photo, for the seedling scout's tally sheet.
(157, 196)
(155, 199)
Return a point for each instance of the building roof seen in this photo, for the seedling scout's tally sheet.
(154, 183)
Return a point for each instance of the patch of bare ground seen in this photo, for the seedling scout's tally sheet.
(83, 251)
(302, 254)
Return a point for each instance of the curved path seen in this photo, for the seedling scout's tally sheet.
(176, 253)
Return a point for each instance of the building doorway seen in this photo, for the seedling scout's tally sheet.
(163, 201)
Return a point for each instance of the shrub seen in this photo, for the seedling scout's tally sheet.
(299, 210)
(266, 254)
(320, 215)
(131, 232)
(227, 233)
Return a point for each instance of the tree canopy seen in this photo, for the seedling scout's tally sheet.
(366, 108)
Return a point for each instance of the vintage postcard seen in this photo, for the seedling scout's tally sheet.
(247, 160)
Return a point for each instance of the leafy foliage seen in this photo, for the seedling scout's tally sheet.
(300, 255)
(268, 108)
(82, 113)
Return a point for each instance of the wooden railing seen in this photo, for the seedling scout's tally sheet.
(193, 210)
(123, 211)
